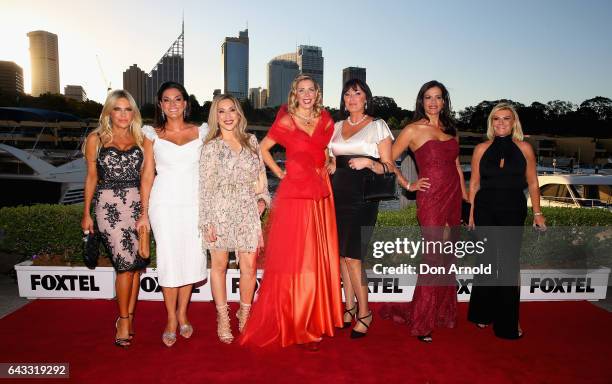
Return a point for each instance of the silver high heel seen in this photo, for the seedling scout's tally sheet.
(224, 329)
(243, 315)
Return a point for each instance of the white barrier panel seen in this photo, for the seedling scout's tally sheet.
(65, 282)
(80, 282)
(150, 289)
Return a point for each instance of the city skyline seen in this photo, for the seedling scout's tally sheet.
(524, 51)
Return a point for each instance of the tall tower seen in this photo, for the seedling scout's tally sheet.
(44, 58)
(11, 78)
(281, 73)
(310, 61)
(353, 73)
(135, 82)
(171, 67)
(235, 54)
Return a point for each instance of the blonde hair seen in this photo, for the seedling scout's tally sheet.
(517, 128)
(105, 128)
(239, 130)
(292, 104)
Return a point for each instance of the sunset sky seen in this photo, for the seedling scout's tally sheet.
(482, 50)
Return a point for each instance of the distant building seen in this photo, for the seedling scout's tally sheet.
(44, 58)
(171, 67)
(263, 98)
(353, 73)
(75, 92)
(135, 82)
(235, 54)
(11, 78)
(280, 75)
(255, 97)
(310, 61)
(216, 93)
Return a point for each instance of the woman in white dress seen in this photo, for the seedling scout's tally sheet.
(169, 194)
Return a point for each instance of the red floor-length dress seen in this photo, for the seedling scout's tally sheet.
(300, 296)
(434, 302)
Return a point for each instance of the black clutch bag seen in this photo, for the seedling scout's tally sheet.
(465, 212)
(91, 249)
(380, 187)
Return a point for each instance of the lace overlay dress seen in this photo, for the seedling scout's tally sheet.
(231, 183)
(117, 205)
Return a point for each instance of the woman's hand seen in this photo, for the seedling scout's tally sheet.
(261, 206)
(282, 174)
(331, 167)
(87, 224)
(359, 163)
(539, 222)
(143, 221)
(421, 184)
(210, 234)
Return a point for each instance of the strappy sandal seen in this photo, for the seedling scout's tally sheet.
(169, 338)
(351, 313)
(186, 330)
(243, 315)
(121, 342)
(224, 329)
(356, 334)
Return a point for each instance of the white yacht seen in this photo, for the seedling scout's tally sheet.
(575, 191)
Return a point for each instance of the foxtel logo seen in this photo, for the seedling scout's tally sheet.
(151, 284)
(561, 285)
(64, 282)
(236, 284)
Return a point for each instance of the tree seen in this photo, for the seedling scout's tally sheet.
(600, 106)
(384, 107)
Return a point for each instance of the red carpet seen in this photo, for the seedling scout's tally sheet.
(565, 342)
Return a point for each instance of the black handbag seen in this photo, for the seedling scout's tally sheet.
(380, 187)
(91, 249)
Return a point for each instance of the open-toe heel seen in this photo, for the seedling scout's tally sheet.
(352, 312)
(224, 328)
(121, 342)
(356, 334)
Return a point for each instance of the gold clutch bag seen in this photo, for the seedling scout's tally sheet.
(144, 242)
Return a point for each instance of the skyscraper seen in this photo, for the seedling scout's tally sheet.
(171, 67)
(353, 73)
(235, 54)
(263, 98)
(310, 61)
(44, 60)
(280, 75)
(75, 92)
(255, 97)
(135, 82)
(11, 78)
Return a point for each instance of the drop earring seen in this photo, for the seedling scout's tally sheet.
(163, 115)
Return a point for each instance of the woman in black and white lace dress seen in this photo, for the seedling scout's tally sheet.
(114, 160)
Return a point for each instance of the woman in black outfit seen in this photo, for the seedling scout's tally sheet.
(502, 168)
(360, 145)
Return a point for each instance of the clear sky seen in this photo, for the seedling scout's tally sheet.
(523, 50)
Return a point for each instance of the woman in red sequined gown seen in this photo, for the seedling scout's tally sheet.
(440, 188)
(300, 298)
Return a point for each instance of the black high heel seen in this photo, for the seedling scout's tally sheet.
(119, 342)
(350, 312)
(426, 338)
(356, 334)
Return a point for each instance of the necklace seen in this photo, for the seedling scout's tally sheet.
(357, 122)
(307, 120)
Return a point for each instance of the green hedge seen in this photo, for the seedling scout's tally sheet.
(55, 229)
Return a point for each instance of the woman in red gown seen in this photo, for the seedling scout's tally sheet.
(432, 137)
(300, 298)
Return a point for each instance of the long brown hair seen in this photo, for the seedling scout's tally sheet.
(239, 130)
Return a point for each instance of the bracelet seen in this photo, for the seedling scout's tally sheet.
(538, 214)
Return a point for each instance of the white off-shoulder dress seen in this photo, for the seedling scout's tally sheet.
(174, 210)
